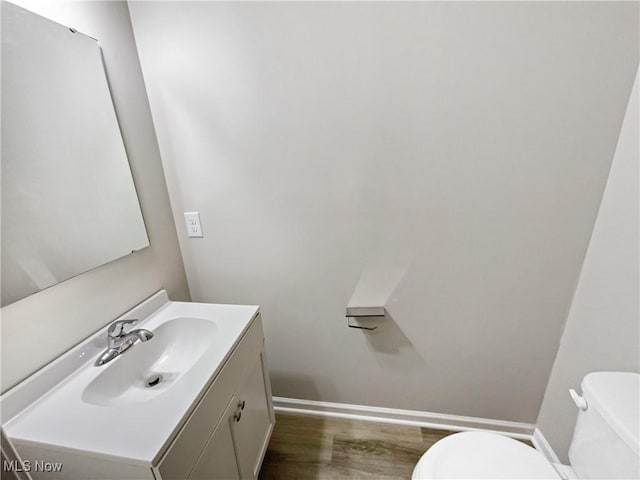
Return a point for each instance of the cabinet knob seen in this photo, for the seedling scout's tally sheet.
(237, 416)
(241, 405)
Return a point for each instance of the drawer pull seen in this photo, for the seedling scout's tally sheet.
(237, 416)
(241, 405)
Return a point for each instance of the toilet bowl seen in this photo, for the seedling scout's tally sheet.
(482, 455)
(605, 441)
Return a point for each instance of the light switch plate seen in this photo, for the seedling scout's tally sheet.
(192, 220)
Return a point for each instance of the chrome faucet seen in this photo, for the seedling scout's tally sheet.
(118, 340)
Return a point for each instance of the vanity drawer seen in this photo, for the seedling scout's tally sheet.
(188, 444)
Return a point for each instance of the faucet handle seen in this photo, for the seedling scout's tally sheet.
(117, 328)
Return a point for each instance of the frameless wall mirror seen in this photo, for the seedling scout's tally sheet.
(69, 203)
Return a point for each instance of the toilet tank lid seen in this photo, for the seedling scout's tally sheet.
(616, 396)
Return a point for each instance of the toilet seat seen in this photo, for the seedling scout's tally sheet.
(482, 455)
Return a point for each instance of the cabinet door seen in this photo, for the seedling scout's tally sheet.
(251, 422)
(218, 460)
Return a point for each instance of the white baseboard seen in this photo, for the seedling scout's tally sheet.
(540, 442)
(456, 423)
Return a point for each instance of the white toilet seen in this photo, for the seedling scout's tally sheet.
(605, 442)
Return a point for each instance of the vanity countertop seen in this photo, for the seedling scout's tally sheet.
(129, 425)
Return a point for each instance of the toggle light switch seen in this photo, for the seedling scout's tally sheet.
(192, 219)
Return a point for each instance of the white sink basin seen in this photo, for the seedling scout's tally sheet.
(148, 369)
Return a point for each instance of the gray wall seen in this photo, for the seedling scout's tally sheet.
(41, 327)
(603, 328)
(443, 159)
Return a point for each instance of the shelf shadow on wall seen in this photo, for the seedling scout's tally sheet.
(387, 337)
(392, 349)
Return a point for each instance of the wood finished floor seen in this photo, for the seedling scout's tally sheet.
(309, 447)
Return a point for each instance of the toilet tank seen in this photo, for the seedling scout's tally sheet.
(605, 438)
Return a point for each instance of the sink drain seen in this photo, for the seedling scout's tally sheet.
(153, 380)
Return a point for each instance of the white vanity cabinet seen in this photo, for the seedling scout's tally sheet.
(236, 447)
(218, 459)
(227, 434)
(210, 418)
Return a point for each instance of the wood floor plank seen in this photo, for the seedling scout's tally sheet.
(298, 438)
(373, 430)
(432, 435)
(303, 471)
(375, 457)
(324, 448)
